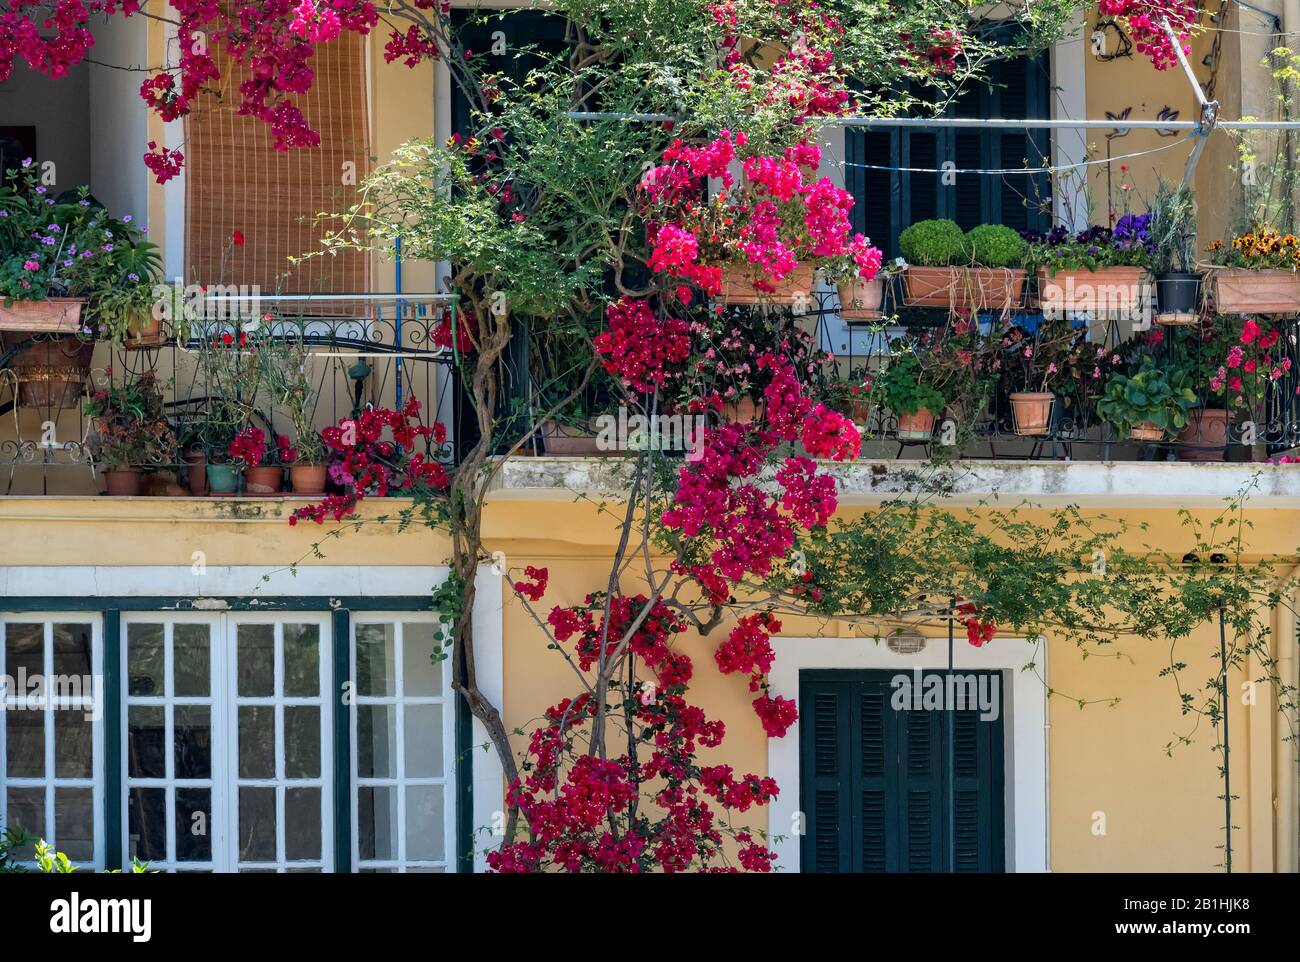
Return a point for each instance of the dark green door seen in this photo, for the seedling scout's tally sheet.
(874, 779)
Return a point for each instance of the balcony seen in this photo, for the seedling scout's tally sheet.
(352, 351)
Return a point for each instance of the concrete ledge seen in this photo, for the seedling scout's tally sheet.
(1163, 484)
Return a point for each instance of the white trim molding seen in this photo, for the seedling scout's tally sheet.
(489, 662)
(1025, 731)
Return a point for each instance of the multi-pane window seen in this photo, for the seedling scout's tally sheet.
(51, 731)
(403, 735)
(228, 742)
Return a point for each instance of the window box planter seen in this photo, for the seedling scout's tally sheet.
(54, 315)
(1238, 291)
(1109, 292)
(796, 289)
(970, 288)
(861, 300)
(1031, 412)
(571, 441)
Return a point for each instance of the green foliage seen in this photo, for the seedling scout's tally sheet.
(996, 245)
(904, 389)
(1173, 228)
(1157, 394)
(934, 243)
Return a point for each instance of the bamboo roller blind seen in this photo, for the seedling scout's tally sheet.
(237, 180)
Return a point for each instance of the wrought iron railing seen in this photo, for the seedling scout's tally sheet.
(358, 350)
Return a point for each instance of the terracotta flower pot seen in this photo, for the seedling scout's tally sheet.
(861, 300)
(1146, 431)
(1110, 292)
(742, 412)
(223, 479)
(796, 289)
(123, 482)
(1031, 412)
(307, 479)
(862, 411)
(1205, 437)
(50, 371)
(196, 472)
(569, 441)
(969, 288)
(918, 426)
(1239, 291)
(263, 479)
(144, 331)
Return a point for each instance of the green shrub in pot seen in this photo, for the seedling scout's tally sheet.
(934, 243)
(996, 245)
(1155, 395)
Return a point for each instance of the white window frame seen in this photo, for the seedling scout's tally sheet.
(51, 781)
(399, 781)
(225, 701)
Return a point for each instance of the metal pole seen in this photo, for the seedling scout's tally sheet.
(952, 759)
(1227, 767)
(1209, 108)
(972, 123)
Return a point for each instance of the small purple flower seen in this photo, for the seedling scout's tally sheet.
(83, 202)
(4, 213)
(133, 277)
(40, 190)
(108, 248)
(47, 241)
(86, 254)
(27, 161)
(67, 262)
(126, 219)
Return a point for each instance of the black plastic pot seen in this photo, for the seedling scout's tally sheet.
(1178, 293)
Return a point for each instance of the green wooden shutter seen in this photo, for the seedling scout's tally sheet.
(874, 781)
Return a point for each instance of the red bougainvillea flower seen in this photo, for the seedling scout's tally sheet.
(535, 586)
(237, 238)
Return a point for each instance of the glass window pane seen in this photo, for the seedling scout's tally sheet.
(301, 741)
(377, 823)
(425, 830)
(193, 824)
(376, 741)
(192, 729)
(24, 742)
(26, 811)
(147, 823)
(420, 675)
(302, 823)
(423, 740)
(301, 660)
(255, 654)
(24, 653)
(144, 660)
(256, 741)
(74, 823)
(191, 659)
(256, 824)
(376, 658)
(72, 651)
(74, 744)
(145, 742)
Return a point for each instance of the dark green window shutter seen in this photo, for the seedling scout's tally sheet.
(887, 201)
(875, 781)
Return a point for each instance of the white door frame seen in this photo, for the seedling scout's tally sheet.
(1025, 731)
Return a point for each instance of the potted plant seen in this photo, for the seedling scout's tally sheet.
(285, 360)
(129, 432)
(1150, 403)
(1257, 272)
(1248, 363)
(1097, 272)
(851, 396)
(256, 460)
(1033, 361)
(757, 238)
(1172, 232)
(975, 271)
(904, 386)
(861, 290)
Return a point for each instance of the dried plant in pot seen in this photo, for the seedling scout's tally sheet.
(1172, 231)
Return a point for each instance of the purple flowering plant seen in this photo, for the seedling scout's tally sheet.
(1127, 244)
